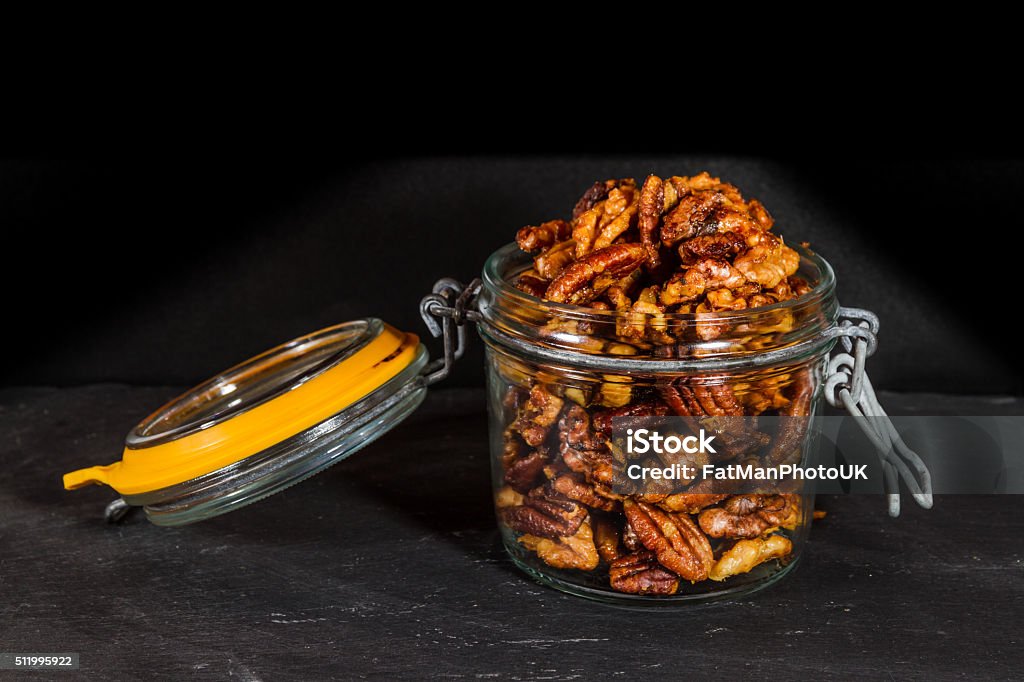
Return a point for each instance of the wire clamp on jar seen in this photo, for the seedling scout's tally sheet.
(848, 387)
(445, 312)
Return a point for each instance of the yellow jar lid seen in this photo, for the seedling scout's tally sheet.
(286, 403)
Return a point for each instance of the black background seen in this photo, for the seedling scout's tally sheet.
(164, 272)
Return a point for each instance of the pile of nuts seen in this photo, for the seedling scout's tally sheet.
(679, 248)
(681, 245)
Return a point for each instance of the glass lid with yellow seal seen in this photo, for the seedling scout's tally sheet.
(273, 420)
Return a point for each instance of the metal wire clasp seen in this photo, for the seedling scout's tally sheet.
(445, 312)
(848, 387)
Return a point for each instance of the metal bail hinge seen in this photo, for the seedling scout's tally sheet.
(117, 511)
(445, 313)
(848, 387)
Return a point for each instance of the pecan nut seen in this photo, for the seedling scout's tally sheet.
(678, 543)
(696, 214)
(768, 262)
(617, 259)
(630, 539)
(574, 430)
(553, 261)
(574, 487)
(721, 246)
(594, 194)
(530, 283)
(787, 446)
(690, 503)
(538, 414)
(546, 514)
(640, 573)
(746, 554)
(582, 450)
(607, 538)
(543, 236)
(644, 408)
(507, 497)
(705, 275)
(747, 516)
(524, 473)
(574, 551)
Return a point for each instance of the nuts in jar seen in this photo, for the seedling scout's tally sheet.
(658, 299)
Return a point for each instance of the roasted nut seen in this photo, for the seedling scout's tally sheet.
(689, 503)
(597, 466)
(760, 214)
(543, 236)
(717, 400)
(524, 473)
(799, 285)
(538, 414)
(615, 392)
(680, 400)
(577, 395)
(606, 538)
(709, 402)
(512, 448)
(746, 554)
(554, 260)
(575, 551)
(678, 543)
(794, 509)
(595, 193)
(515, 398)
(768, 261)
(617, 259)
(545, 514)
(746, 516)
(574, 430)
(630, 538)
(695, 215)
(648, 408)
(704, 275)
(584, 231)
(531, 284)
(651, 205)
(576, 488)
(507, 497)
(721, 245)
(640, 573)
(617, 220)
(787, 446)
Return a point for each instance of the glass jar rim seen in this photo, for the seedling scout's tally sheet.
(787, 331)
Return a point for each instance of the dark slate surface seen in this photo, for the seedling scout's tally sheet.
(389, 566)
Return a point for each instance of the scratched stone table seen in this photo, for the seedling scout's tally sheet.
(388, 566)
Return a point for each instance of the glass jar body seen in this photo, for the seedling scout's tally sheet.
(556, 380)
(581, 562)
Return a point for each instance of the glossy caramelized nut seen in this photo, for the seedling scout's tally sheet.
(640, 573)
(574, 551)
(675, 539)
(746, 554)
(747, 516)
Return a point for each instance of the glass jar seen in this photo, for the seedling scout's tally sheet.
(557, 374)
